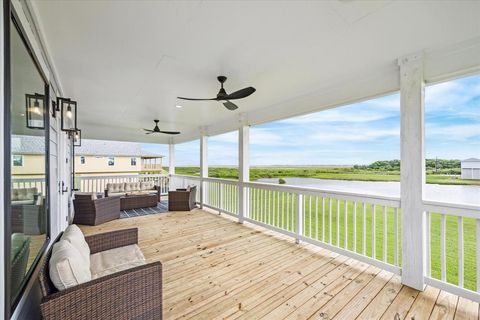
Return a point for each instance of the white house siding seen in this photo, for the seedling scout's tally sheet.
(471, 169)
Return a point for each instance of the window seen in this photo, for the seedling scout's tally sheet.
(17, 160)
(27, 209)
(82, 160)
(111, 161)
(133, 161)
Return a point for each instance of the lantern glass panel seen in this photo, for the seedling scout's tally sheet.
(35, 111)
(68, 109)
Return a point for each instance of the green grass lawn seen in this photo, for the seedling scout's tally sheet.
(277, 209)
(352, 174)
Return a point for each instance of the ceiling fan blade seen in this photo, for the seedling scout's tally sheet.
(243, 93)
(193, 99)
(170, 132)
(148, 130)
(230, 105)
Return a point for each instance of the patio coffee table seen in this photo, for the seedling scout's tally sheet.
(135, 201)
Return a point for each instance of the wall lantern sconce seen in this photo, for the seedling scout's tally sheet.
(77, 138)
(68, 109)
(35, 111)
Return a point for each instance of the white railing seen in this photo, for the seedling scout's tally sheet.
(99, 183)
(221, 195)
(356, 225)
(453, 248)
(360, 226)
(22, 183)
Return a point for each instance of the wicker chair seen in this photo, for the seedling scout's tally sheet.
(182, 199)
(91, 211)
(19, 260)
(135, 293)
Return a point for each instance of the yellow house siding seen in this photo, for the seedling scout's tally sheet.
(99, 165)
(33, 164)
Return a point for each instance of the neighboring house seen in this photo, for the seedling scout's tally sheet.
(470, 168)
(99, 157)
(94, 157)
(28, 156)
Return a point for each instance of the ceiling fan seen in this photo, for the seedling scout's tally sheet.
(225, 98)
(156, 129)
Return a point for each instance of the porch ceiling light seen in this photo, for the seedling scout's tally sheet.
(68, 110)
(35, 110)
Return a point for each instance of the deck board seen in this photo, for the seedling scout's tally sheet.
(215, 268)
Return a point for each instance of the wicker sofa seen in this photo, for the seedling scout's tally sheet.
(28, 211)
(125, 188)
(92, 211)
(133, 293)
(18, 259)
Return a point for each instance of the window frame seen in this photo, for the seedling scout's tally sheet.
(22, 157)
(10, 18)
(133, 161)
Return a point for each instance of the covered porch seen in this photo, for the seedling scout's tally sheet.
(251, 250)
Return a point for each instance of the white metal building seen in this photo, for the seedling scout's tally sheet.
(470, 168)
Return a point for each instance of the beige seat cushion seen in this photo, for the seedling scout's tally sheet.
(20, 202)
(132, 186)
(115, 187)
(75, 236)
(116, 194)
(24, 194)
(147, 185)
(67, 267)
(115, 260)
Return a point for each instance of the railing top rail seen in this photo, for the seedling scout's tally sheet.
(385, 200)
(185, 176)
(456, 209)
(220, 180)
(123, 176)
(28, 179)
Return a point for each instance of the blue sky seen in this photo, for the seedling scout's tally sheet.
(355, 134)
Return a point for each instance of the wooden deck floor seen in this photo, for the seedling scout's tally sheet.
(215, 268)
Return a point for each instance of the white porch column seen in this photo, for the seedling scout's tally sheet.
(243, 168)
(171, 158)
(203, 165)
(171, 164)
(412, 170)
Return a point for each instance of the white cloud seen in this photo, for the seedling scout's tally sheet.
(339, 115)
(267, 137)
(457, 132)
(229, 137)
(451, 95)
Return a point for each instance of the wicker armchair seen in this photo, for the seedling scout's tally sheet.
(91, 211)
(182, 199)
(135, 293)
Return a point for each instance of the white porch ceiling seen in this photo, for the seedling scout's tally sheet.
(126, 61)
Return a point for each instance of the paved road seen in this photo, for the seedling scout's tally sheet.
(434, 192)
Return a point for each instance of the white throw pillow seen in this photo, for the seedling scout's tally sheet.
(75, 236)
(67, 267)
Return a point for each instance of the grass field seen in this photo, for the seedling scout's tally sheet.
(277, 209)
(323, 173)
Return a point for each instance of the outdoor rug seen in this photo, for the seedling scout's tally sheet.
(161, 207)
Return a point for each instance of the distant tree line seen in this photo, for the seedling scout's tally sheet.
(440, 166)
